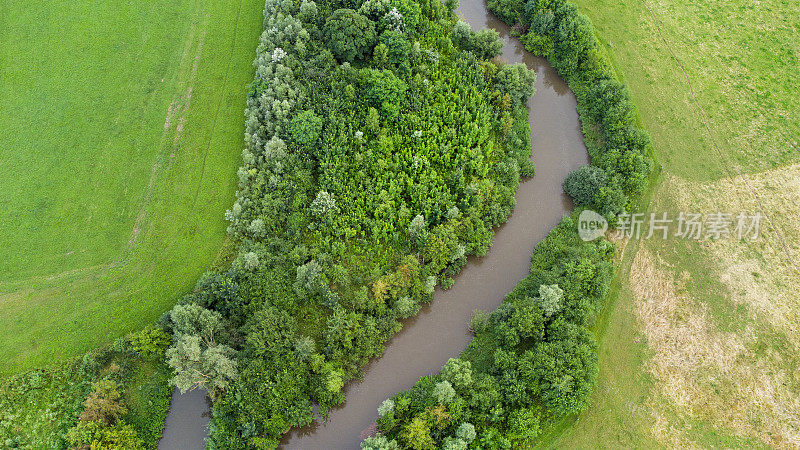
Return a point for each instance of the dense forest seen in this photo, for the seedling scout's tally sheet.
(534, 359)
(381, 147)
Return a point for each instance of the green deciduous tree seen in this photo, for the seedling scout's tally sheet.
(306, 129)
(517, 81)
(443, 392)
(104, 404)
(199, 364)
(458, 372)
(584, 183)
(385, 91)
(350, 35)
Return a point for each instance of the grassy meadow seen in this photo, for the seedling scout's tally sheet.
(700, 342)
(122, 128)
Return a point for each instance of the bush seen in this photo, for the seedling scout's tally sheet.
(507, 10)
(104, 404)
(478, 321)
(485, 44)
(96, 435)
(584, 184)
(517, 81)
(565, 368)
(458, 372)
(443, 392)
(539, 45)
(397, 46)
(152, 341)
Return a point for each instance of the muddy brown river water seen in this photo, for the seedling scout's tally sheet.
(440, 332)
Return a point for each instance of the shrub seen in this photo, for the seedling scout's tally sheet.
(507, 10)
(565, 368)
(517, 81)
(324, 205)
(202, 364)
(379, 443)
(550, 296)
(397, 46)
(96, 435)
(584, 184)
(385, 91)
(152, 341)
(104, 404)
(478, 321)
(539, 45)
(386, 407)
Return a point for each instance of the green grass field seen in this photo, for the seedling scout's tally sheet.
(122, 127)
(699, 343)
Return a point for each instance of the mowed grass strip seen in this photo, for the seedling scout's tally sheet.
(741, 58)
(121, 133)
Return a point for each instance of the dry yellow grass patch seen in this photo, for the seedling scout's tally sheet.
(763, 274)
(705, 373)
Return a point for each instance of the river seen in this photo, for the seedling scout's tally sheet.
(440, 331)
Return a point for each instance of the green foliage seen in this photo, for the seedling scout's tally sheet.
(533, 360)
(539, 45)
(524, 427)
(324, 205)
(104, 404)
(550, 296)
(443, 392)
(479, 321)
(485, 44)
(584, 184)
(96, 435)
(385, 91)
(201, 364)
(386, 407)
(620, 149)
(306, 129)
(120, 396)
(517, 81)
(410, 14)
(564, 368)
(362, 186)
(350, 35)
(379, 443)
(507, 10)
(458, 372)
(151, 342)
(397, 46)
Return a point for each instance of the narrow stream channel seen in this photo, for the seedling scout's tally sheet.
(440, 332)
(187, 421)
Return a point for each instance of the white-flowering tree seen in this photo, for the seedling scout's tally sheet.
(550, 296)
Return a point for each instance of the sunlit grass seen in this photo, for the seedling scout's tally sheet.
(121, 134)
